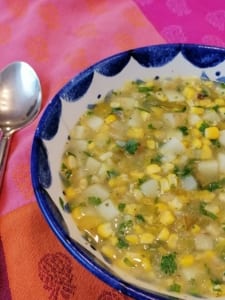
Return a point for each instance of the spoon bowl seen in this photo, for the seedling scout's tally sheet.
(20, 102)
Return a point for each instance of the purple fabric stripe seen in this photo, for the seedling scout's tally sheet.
(4, 283)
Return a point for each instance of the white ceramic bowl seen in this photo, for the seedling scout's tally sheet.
(64, 110)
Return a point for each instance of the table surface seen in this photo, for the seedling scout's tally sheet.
(60, 39)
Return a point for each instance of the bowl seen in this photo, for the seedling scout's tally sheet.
(62, 112)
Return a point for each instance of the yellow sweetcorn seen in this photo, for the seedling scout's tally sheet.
(212, 133)
(186, 260)
(108, 251)
(164, 185)
(146, 238)
(105, 230)
(145, 115)
(197, 110)
(110, 119)
(135, 133)
(132, 239)
(195, 132)
(136, 174)
(172, 179)
(195, 229)
(172, 241)
(219, 101)
(164, 234)
(70, 192)
(222, 110)
(161, 206)
(189, 92)
(138, 229)
(166, 218)
(206, 152)
(91, 145)
(88, 222)
(77, 213)
(152, 169)
(131, 209)
(146, 264)
(151, 144)
(196, 143)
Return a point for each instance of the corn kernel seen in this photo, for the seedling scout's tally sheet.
(222, 110)
(136, 174)
(161, 207)
(138, 229)
(135, 132)
(152, 169)
(196, 143)
(91, 145)
(113, 240)
(206, 152)
(105, 230)
(108, 251)
(164, 185)
(166, 218)
(146, 238)
(172, 241)
(145, 115)
(195, 229)
(164, 234)
(212, 133)
(189, 92)
(151, 144)
(77, 213)
(110, 119)
(146, 264)
(195, 132)
(70, 192)
(113, 182)
(186, 260)
(197, 110)
(219, 101)
(172, 178)
(131, 209)
(132, 239)
(167, 167)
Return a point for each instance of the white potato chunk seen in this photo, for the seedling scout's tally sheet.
(97, 190)
(150, 188)
(107, 209)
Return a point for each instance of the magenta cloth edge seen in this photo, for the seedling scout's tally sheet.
(187, 21)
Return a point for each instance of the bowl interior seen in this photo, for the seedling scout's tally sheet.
(64, 110)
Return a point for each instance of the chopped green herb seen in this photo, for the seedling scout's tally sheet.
(144, 89)
(87, 153)
(131, 146)
(122, 243)
(121, 206)
(175, 288)
(156, 159)
(142, 180)
(215, 185)
(128, 262)
(216, 143)
(124, 227)
(150, 126)
(222, 85)
(140, 218)
(112, 173)
(168, 264)
(94, 200)
(205, 212)
(61, 202)
(116, 110)
(216, 108)
(203, 127)
(183, 129)
(187, 170)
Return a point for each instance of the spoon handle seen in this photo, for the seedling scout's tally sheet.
(4, 150)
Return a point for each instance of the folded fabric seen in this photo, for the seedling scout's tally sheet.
(59, 39)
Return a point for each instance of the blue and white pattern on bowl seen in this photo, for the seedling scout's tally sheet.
(64, 110)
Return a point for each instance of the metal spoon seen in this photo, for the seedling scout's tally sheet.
(20, 102)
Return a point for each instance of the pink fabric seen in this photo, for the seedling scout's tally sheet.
(59, 39)
(188, 21)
